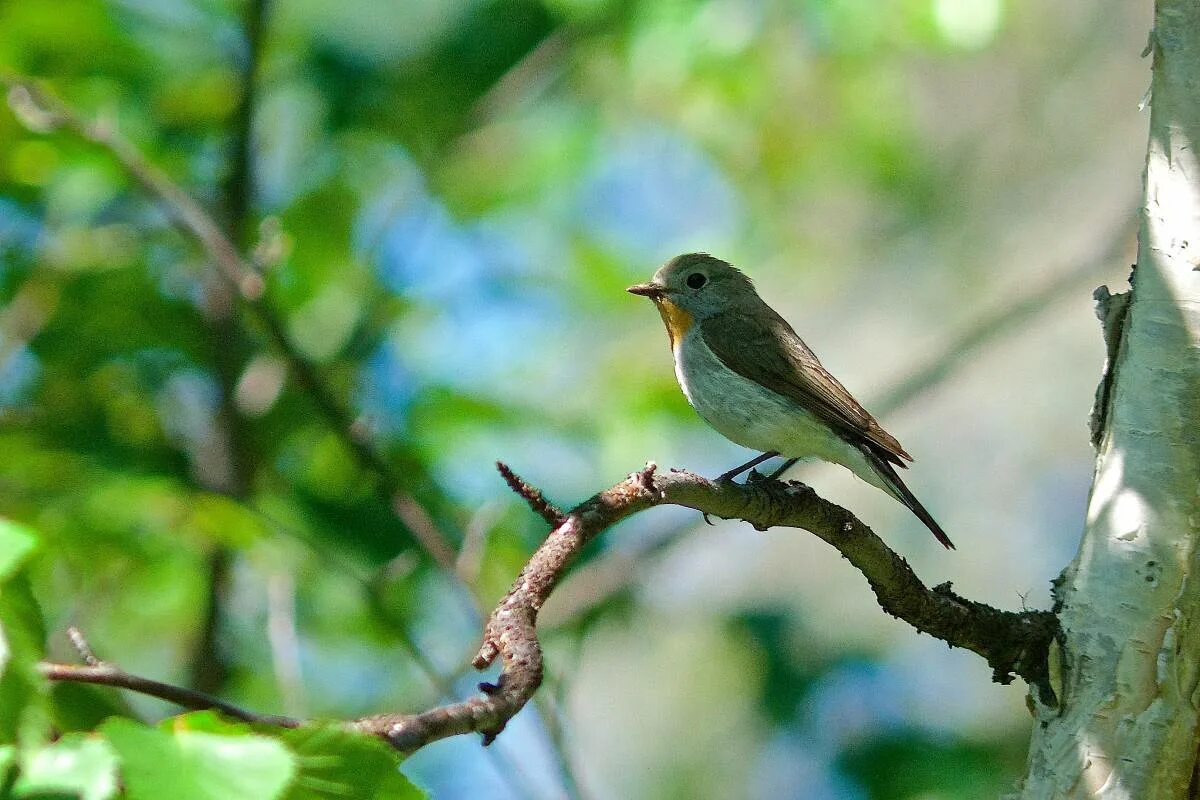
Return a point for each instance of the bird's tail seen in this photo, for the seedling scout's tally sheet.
(896, 488)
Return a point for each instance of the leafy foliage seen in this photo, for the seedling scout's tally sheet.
(76, 765)
(192, 757)
(447, 199)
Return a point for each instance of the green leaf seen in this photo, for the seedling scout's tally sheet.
(193, 765)
(8, 757)
(336, 763)
(205, 722)
(80, 766)
(83, 707)
(333, 762)
(24, 714)
(16, 544)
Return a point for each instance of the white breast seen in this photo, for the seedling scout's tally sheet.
(752, 415)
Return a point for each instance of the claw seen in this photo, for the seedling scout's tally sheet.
(489, 736)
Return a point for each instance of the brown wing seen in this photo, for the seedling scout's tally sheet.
(770, 353)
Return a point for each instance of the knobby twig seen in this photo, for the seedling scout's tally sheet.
(531, 495)
(1013, 643)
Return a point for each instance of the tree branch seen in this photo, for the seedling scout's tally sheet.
(1014, 314)
(1013, 643)
(104, 674)
(41, 111)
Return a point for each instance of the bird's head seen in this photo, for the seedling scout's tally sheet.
(692, 287)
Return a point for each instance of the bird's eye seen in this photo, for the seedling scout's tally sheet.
(696, 280)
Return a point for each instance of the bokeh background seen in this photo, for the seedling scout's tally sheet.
(449, 197)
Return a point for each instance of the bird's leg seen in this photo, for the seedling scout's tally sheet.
(754, 462)
(791, 462)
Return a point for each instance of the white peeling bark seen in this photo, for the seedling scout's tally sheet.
(1130, 602)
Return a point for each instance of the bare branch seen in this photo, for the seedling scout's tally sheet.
(104, 674)
(1013, 643)
(530, 494)
(82, 647)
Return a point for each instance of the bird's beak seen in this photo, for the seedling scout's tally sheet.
(652, 290)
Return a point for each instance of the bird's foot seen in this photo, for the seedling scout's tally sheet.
(726, 477)
(784, 467)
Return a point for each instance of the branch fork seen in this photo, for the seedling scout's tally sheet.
(1013, 643)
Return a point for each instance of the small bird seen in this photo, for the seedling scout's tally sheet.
(749, 375)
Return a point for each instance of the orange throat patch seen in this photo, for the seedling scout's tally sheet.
(676, 319)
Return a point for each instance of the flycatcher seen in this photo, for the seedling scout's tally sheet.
(749, 375)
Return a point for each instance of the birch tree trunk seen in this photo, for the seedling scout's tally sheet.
(1126, 723)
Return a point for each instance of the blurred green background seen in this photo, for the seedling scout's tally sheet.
(449, 197)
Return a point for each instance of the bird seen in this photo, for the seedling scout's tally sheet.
(751, 377)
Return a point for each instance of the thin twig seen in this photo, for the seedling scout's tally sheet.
(469, 560)
(108, 675)
(42, 111)
(530, 494)
(80, 643)
(103, 673)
